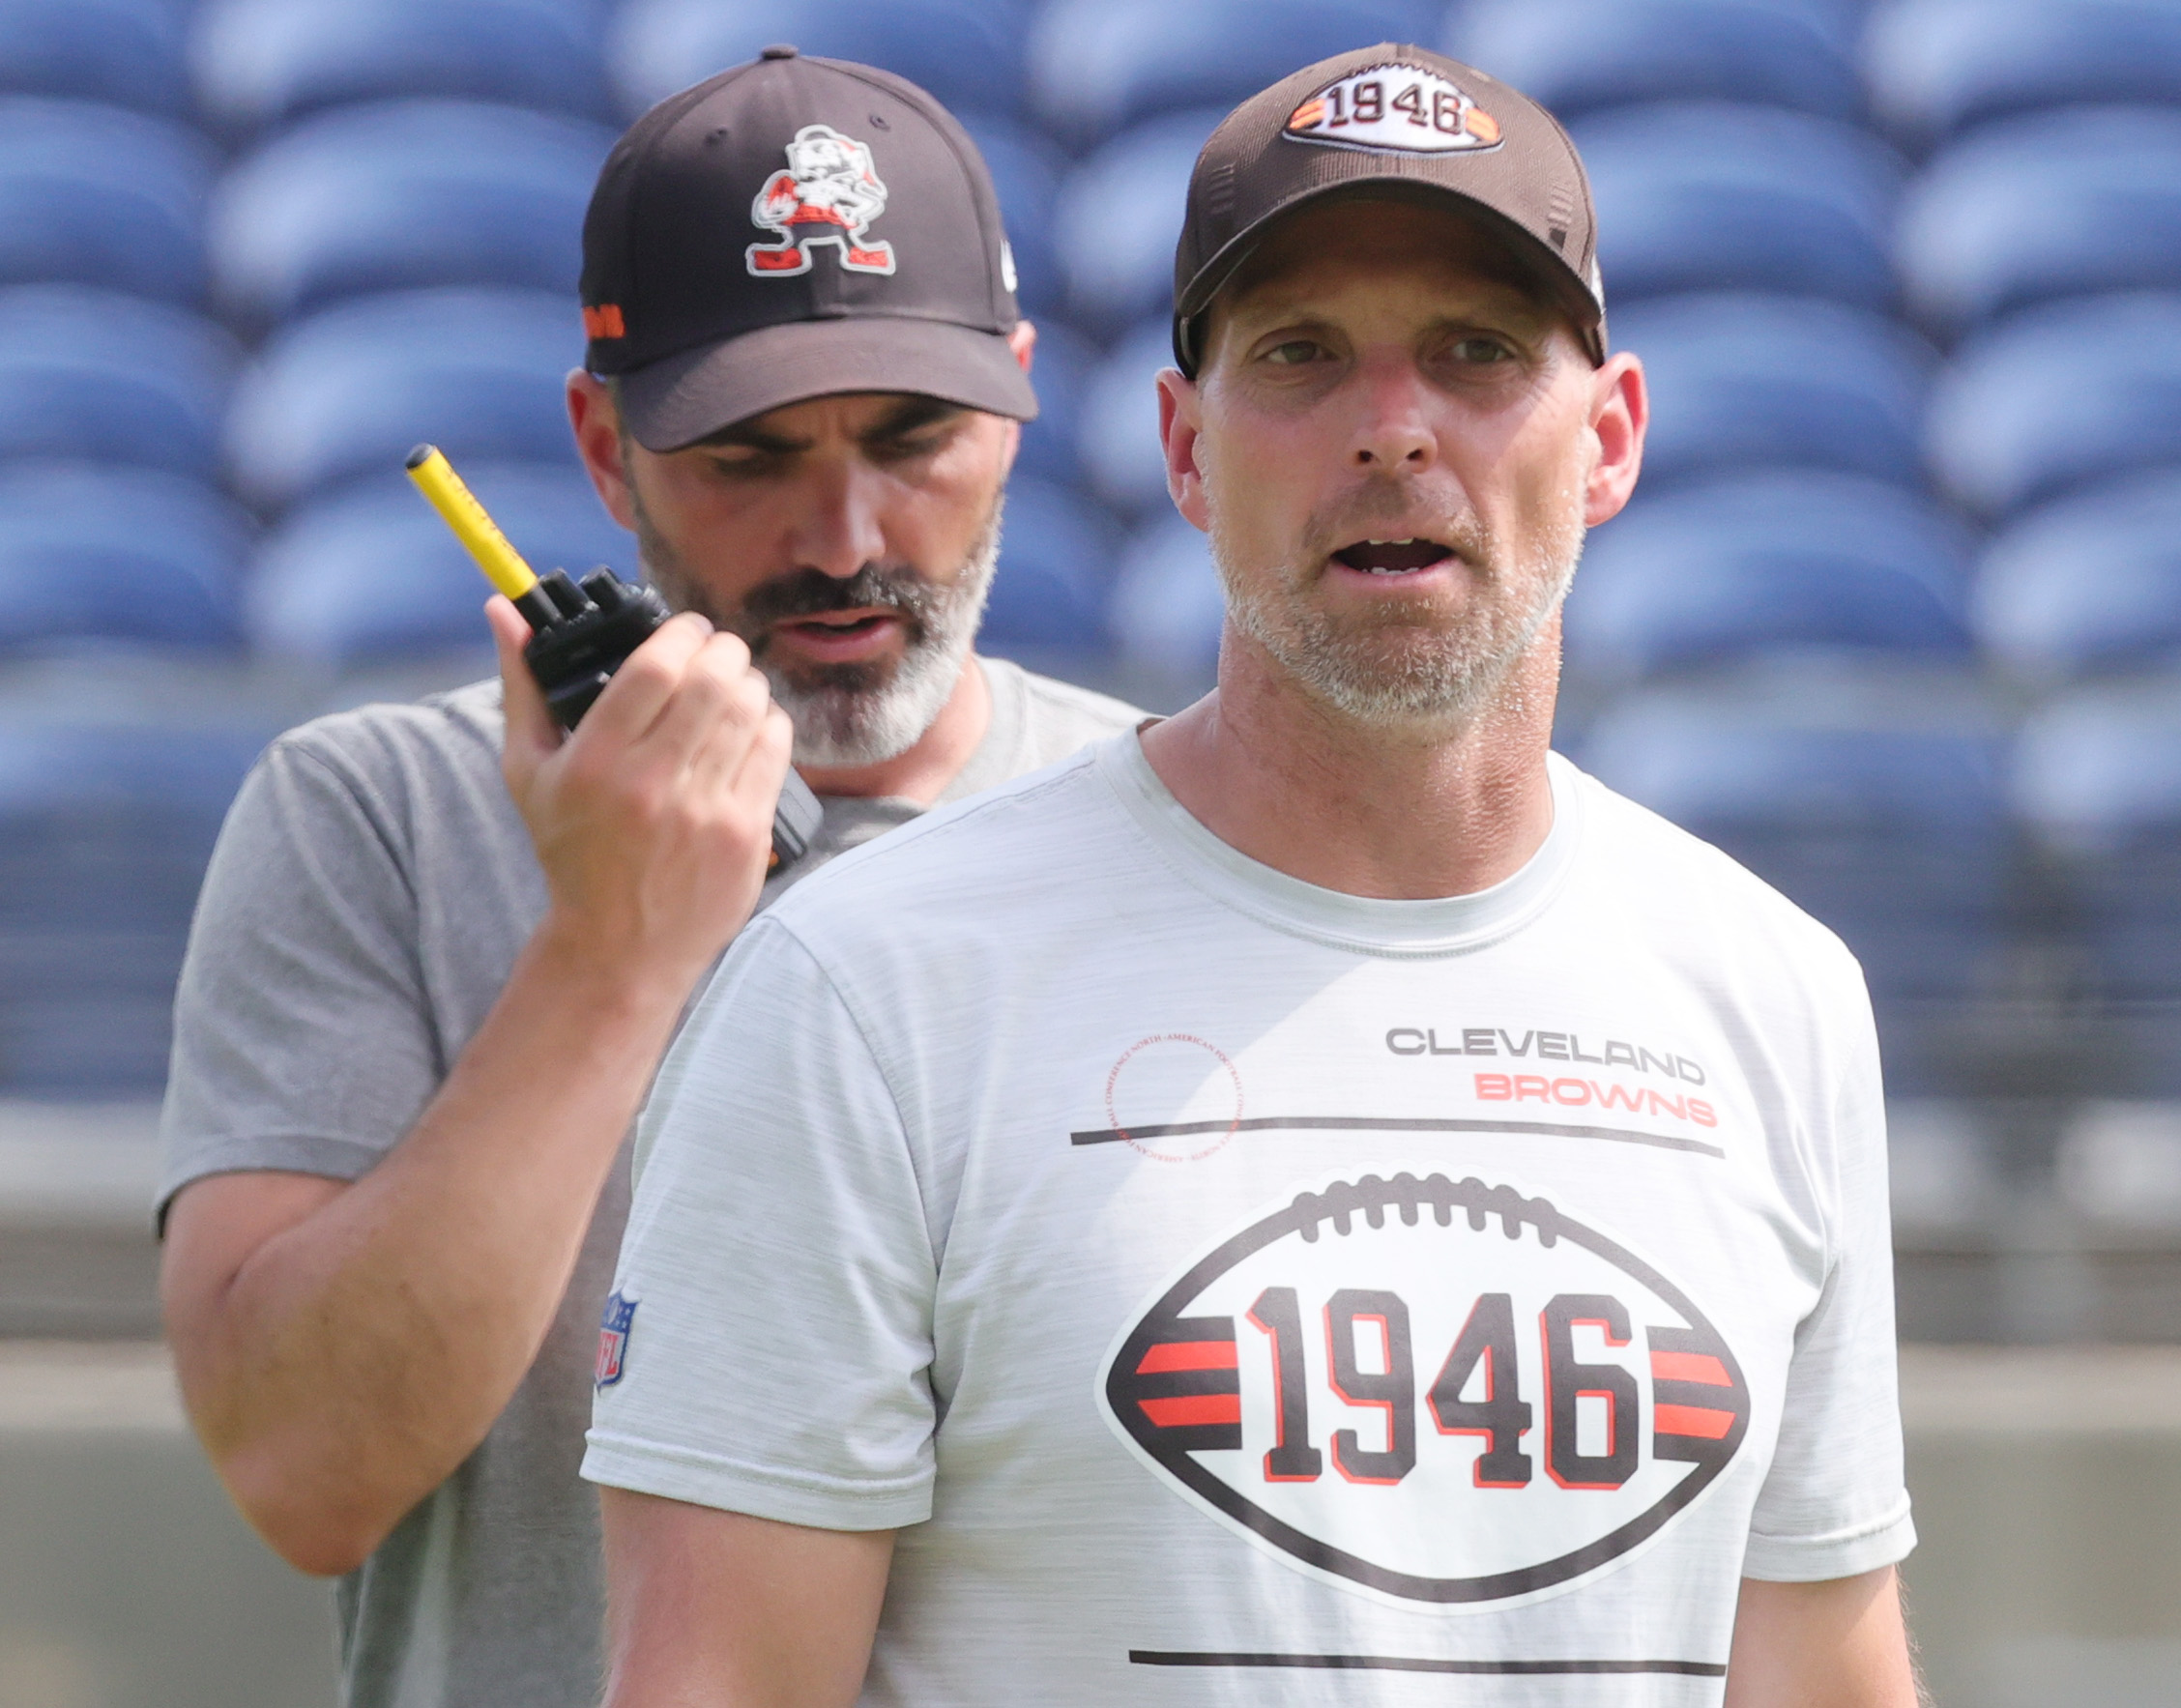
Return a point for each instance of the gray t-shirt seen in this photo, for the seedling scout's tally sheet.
(366, 901)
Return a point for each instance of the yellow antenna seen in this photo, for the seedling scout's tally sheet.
(475, 527)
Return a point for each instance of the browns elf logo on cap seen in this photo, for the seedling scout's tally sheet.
(1398, 107)
(829, 194)
(735, 252)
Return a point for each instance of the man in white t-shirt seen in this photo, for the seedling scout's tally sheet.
(1317, 1199)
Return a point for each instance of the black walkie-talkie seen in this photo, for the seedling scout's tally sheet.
(581, 632)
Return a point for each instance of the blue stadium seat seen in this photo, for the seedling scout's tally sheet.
(1705, 196)
(1575, 55)
(371, 573)
(95, 374)
(1059, 372)
(258, 61)
(1769, 563)
(1741, 381)
(347, 393)
(1119, 215)
(2057, 395)
(967, 52)
(2106, 184)
(1896, 833)
(96, 194)
(105, 824)
(1168, 608)
(2092, 582)
(114, 553)
(1119, 434)
(126, 51)
(1025, 171)
(401, 193)
(2098, 775)
(1055, 559)
(1097, 65)
(1935, 65)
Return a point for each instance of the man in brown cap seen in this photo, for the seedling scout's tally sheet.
(1313, 1197)
(441, 949)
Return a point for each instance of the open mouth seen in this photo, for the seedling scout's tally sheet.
(842, 627)
(1392, 557)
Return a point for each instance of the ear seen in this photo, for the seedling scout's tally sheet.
(1180, 422)
(597, 424)
(1621, 412)
(1021, 343)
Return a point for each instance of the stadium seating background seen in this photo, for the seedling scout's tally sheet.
(1896, 615)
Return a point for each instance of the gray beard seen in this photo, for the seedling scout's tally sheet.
(1404, 673)
(852, 716)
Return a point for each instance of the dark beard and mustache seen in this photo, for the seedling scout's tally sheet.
(856, 713)
(1414, 665)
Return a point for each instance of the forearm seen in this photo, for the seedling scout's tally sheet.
(355, 1358)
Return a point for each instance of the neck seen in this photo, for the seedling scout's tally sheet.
(1404, 815)
(920, 772)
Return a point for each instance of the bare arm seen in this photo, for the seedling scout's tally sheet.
(1838, 1644)
(713, 1610)
(342, 1348)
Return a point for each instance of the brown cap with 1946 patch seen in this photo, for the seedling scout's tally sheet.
(1391, 123)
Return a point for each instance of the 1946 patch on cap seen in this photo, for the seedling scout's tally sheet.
(1400, 107)
(1391, 122)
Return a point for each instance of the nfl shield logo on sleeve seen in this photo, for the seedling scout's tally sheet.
(613, 1340)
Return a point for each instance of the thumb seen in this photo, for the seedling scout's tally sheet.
(533, 737)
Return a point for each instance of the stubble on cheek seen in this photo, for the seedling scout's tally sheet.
(1425, 657)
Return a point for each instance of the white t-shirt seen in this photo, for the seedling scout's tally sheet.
(1241, 1292)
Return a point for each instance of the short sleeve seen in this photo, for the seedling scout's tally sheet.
(776, 1281)
(302, 1036)
(1834, 1503)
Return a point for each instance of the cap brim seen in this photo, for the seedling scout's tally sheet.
(675, 402)
(1559, 281)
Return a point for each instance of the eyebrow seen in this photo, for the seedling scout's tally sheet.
(745, 436)
(909, 416)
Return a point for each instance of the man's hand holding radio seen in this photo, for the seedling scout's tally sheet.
(654, 819)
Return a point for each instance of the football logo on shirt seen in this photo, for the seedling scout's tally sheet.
(1442, 1394)
(829, 194)
(1394, 106)
(613, 1340)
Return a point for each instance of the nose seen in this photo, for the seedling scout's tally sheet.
(840, 529)
(1393, 428)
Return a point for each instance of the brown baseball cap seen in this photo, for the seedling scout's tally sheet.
(1395, 123)
(791, 228)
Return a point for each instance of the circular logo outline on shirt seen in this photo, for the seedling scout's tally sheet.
(1140, 1147)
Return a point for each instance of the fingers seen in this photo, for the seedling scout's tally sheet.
(718, 684)
(531, 733)
(678, 723)
(645, 683)
(764, 764)
(723, 733)
(654, 818)
(742, 773)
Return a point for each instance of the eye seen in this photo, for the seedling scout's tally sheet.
(1481, 350)
(1295, 353)
(908, 448)
(746, 466)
